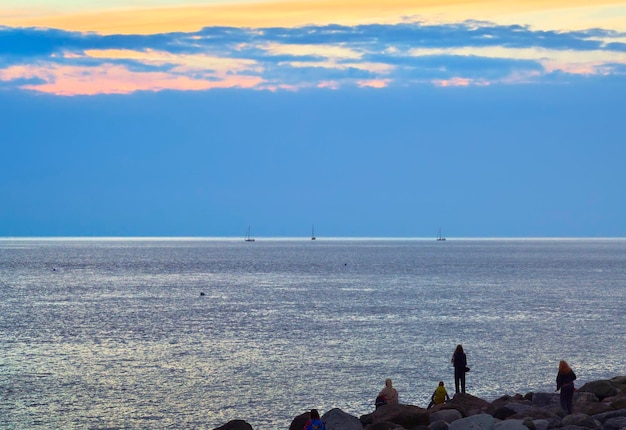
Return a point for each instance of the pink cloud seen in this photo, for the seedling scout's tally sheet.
(374, 83)
(114, 79)
(460, 82)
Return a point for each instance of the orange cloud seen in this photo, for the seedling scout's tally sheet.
(561, 13)
(114, 79)
(200, 63)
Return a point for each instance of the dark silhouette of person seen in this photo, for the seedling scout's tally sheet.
(565, 382)
(459, 360)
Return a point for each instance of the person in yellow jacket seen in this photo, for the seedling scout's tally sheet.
(439, 396)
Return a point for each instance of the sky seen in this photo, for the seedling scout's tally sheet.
(364, 118)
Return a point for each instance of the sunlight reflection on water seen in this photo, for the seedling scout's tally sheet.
(118, 336)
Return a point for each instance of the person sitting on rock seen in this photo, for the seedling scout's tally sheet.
(315, 422)
(439, 396)
(389, 393)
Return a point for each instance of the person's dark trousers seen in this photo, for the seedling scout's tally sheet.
(459, 377)
(567, 397)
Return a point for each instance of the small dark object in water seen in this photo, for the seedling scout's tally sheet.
(202, 294)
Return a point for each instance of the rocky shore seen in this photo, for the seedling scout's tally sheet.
(599, 405)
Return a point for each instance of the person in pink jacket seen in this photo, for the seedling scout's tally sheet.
(389, 393)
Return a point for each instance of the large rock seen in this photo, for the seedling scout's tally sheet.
(617, 402)
(506, 406)
(384, 426)
(619, 380)
(503, 413)
(336, 419)
(529, 424)
(616, 423)
(585, 397)
(541, 424)
(470, 405)
(408, 416)
(447, 415)
(237, 425)
(475, 422)
(546, 399)
(601, 389)
(510, 425)
(519, 408)
(299, 421)
(608, 415)
(540, 414)
(438, 425)
(593, 408)
(580, 420)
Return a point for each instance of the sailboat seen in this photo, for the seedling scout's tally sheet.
(313, 232)
(248, 238)
(439, 236)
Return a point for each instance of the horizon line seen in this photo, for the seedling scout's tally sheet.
(298, 238)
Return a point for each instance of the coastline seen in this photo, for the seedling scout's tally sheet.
(599, 405)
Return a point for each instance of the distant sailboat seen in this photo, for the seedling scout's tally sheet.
(439, 236)
(248, 238)
(313, 232)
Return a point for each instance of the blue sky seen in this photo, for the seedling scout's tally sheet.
(385, 129)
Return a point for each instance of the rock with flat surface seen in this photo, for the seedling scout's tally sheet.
(510, 425)
(447, 415)
(475, 422)
(235, 425)
(336, 419)
(408, 416)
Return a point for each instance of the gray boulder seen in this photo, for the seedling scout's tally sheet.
(541, 424)
(616, 423)
(470, 405)
(519, 408)
(510, 425)
(573, 427)
(546, 399)
(601, 389)
(235, 425)
(581, 420)
(447, 415)
(507, 400)
(336, 419)
(619, 380)
(299, 421)
(407, 416)
(539, 414)
(585, 397)
(603, 417)
(475, 422)
(438, 425)
(384, 426)
(503, 413)
(529, 424)
(617, 402)
(593, 408)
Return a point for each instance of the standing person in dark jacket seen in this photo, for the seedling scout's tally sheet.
(565, 382)
(459, 360)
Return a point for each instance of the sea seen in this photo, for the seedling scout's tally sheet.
(190, 333)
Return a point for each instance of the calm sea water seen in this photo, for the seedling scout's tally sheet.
(116, 334)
